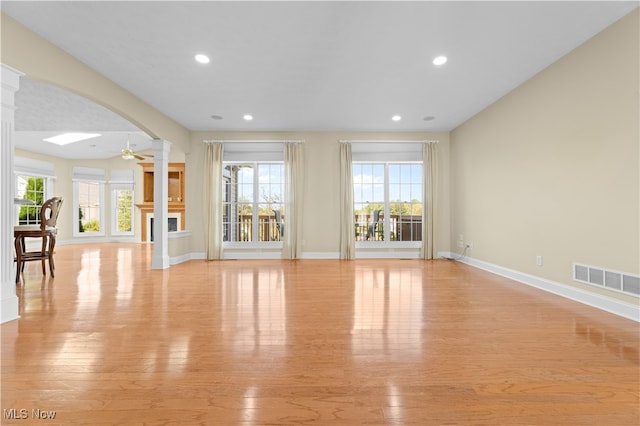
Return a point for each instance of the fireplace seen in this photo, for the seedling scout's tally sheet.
(173, 222)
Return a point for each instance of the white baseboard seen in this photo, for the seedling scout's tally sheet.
(179, 259)
(319, 255)
(253, 255)
(198, 256)
(600, 301)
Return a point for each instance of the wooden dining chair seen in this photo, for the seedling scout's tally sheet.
(46, 230)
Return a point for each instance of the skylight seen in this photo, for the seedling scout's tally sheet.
(440, 60)
(67, 138)
(203, 59)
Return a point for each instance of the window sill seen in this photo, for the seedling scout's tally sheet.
(88, 234)
(388, 245)
(269, 245)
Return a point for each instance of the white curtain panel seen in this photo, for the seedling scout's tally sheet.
(347, 230)
(430, 173)
(213, 200)
(294, 189)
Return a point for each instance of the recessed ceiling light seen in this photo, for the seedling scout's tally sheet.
(396, 118)
(248, 117)
(216, 117)
(203, 59)
(429, 118)
(67, 138)
(439, 60)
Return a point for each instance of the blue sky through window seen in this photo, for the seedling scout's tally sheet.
(270, 183)
(405, 182)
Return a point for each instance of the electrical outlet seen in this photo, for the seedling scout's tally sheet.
(460, 244)
(469, 246)
(539, 260)
(460, 237)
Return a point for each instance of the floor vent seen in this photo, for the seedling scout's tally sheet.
(614, 280)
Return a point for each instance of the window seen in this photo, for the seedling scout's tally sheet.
(30, 188)
(89, 207)
(88, 195)
(253, 201)
(121, 184)
(122, 200)
(34, 182)
(387, 201)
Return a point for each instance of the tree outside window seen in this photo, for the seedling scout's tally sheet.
(124, 210)
(30, 188)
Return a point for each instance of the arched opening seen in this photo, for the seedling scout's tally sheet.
(100, 178)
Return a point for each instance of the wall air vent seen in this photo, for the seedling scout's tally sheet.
(601, 277)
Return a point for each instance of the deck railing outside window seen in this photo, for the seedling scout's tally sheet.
(268, 228)
(403, 227)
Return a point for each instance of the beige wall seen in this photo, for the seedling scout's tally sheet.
(322, 186)
(552, 169)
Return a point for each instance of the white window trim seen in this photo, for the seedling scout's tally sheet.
(76, 216)
(253, 245)
(121, 179)
(114, 206)
(48, 190)
(23, 166)
(387, 244)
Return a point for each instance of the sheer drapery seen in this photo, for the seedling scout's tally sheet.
(347, 230)
(430, 173)
(213, 200)
(293, 185)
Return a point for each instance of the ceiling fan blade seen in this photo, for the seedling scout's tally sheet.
(138, 156)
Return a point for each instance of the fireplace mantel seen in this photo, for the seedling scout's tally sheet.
(175, 194)
(146, 209)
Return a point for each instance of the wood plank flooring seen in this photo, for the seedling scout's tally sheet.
(308, 342)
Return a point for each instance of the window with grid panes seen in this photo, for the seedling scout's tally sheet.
(253, 202)
(388, 201)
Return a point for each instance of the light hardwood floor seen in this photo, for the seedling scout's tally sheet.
(309, 342)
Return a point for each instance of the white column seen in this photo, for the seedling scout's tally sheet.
(8, 299)
(160, 259)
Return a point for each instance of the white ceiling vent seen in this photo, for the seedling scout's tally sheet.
(614, 280)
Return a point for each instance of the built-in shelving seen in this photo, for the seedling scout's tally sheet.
(175, 194)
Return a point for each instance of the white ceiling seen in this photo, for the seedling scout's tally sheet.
(312, 65)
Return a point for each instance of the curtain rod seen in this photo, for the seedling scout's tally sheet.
(388, 141)
(251, 141)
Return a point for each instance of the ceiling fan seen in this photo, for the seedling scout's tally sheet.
(129, 154)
